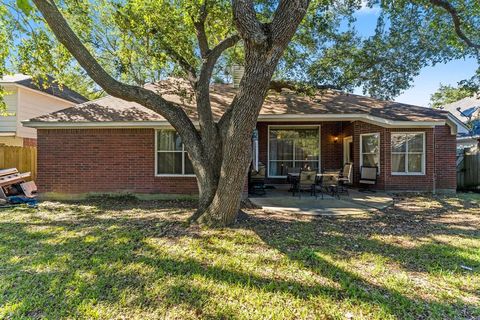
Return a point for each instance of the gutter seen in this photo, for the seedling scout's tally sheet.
(265, 118)
(103, 124)
(351, 117)
(468, 138)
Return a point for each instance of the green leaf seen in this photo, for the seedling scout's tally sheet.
(25, 6)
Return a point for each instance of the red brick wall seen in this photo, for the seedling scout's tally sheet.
(439, 174)
(29, 142)
(103, 160)
(445, 159)
(386, 180)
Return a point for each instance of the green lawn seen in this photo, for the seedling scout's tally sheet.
(129, 259)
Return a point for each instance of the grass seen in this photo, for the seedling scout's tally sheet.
(130, 259)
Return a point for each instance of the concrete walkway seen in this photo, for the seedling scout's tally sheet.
(357, 203)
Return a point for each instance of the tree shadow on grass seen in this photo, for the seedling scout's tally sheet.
(103, 260)
(308, 240)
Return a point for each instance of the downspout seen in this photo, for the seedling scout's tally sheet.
(434, 175)
(255, 149)
(385, 158)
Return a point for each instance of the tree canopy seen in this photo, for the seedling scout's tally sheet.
(143, 41)
(447, 94)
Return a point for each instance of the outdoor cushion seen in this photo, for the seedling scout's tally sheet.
(347, 173)
(307, 178)
(368, 173)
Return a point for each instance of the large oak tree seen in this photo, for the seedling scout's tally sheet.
(121, 45)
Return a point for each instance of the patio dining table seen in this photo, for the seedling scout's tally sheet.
(296, 175)
(330, 180)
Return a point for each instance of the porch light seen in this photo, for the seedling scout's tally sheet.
(335, 139)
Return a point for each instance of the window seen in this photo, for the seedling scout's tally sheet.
(370, 150)
(172, 159)
(293, 148)
(408, 153)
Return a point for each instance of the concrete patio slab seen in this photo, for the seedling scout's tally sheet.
(311, 206)
(357, 203)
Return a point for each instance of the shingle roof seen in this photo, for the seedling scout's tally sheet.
(287, 102)
(465, 110)
(51, 87)
(463, 104)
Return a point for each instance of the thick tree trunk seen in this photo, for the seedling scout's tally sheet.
(225, 204)
(236, 140)
(221, 177)
(207, 188)
(221, 190)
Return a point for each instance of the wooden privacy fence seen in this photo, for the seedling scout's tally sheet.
(468, 170)
(22, 158)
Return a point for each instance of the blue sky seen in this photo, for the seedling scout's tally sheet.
(428, 81)
(430, 78)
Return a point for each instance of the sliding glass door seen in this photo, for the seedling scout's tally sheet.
(293, 147)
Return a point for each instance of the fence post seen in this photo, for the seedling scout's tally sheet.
(470, 170)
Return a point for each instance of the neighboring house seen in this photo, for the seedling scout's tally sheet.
(110, 145)
(25, 100)
(468, 111)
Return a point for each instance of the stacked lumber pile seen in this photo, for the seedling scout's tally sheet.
(14, 184)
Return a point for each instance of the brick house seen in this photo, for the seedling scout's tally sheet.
(111, 145)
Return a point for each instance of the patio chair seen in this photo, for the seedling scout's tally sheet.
(346, 178)
(331, 183)
(256, 183)
(290, 179)
(306, 182)
(368, 178)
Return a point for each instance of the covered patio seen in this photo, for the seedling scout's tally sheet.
(404, 157)
(323, 146)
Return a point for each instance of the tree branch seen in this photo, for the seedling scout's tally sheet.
(199, 25)
(212, 58)
(173, 113)
(246, 21)
(285, 21)
(457, 23)
(216, 52)
(207, 125)
(260, 64)
(186, 66)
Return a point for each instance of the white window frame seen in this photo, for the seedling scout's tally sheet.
(170, 151)
(424, 155)
(379, 149)
(305, 126)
